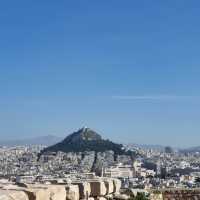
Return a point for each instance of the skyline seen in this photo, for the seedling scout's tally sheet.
(129, 70)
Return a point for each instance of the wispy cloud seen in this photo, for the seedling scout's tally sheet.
(154, 97)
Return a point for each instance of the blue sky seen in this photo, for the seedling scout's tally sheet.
(128, 69)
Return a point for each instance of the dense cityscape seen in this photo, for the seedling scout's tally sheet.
(130, 70)
(137, 170)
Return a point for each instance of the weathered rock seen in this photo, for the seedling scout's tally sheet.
(84, 189)
(109, 196)
(57, 192)
(5, 197)
(121, 196)
(38, 194)
(100, 198)
(72, 192)
(117, 185)
(98, 188)
(13, 194)
(109, 185)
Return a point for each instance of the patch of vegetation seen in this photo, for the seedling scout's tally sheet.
(87, 140)
(140, 196)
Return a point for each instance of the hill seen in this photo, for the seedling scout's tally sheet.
(85, 139)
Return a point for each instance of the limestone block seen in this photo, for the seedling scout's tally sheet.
(121, 196)
(117, 185)
(109, 196)
(12, 194)
(5, 197)
(38, 194)
(109, 186)
(84, 189)
(100, 198)
(91, 198)
(72, 192)
(57, 192)
(98, 188)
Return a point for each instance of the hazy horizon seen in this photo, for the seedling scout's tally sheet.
(130, 70)
(60, 137)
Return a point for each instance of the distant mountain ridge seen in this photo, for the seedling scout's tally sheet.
(41, 140)
(85, 139)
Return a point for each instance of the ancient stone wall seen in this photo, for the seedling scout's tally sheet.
(101, 189)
